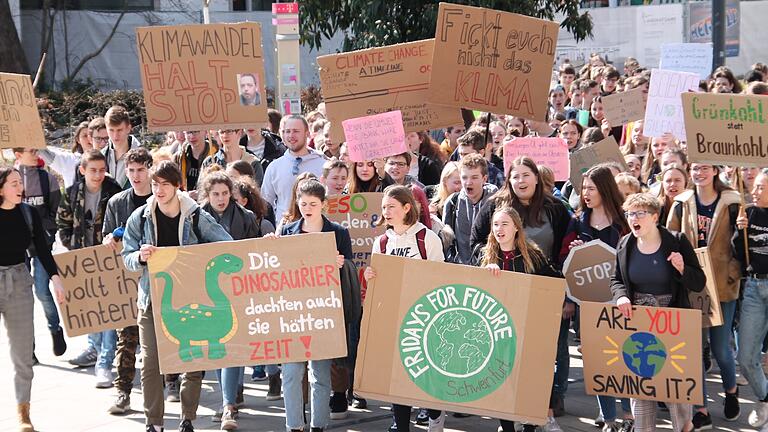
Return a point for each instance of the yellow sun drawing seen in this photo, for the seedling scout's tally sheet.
(677, 356)
(615, 351)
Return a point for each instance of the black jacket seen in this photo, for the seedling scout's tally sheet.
(429, 171)
(692, 279)
(273, 147)
(244, 224)
(518, 265)
(343, 241)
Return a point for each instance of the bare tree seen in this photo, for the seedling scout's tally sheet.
(12, 57)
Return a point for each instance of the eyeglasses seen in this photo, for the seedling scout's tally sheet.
(100, 139)
(362, 164)
(295, 170)
(228, 131)
(397, 164)
(636, 214)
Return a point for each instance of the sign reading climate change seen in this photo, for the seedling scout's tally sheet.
(454, 337)
(252, 301)
(493, 61)
(202, 76)
(655, 355)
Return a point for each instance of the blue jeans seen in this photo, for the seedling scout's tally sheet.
(562, 361)
(105, 344)
(43, 293)
(320, 393)
(720, 344)
(270, 369)
(608, 407)
(230, 380)
(753, 328)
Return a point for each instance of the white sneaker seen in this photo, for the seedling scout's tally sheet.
(551, 425)
(103, 378)
(437, 424)
(759, 416)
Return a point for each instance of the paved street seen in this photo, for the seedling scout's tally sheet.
(64, 399)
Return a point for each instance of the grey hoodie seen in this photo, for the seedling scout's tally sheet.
(33, 194)
(459, 214)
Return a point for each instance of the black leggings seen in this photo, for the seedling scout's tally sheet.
(403, 416)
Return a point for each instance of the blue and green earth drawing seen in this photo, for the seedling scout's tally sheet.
(644, 354)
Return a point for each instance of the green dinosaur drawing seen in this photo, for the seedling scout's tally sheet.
(194, 325)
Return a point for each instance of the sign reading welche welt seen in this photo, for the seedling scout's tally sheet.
(664, 110)
(726, 129)
(20, 124)
(375, 137)
(378, 80)
(493, 61)
(255, 301)
(202, 76)
(655, 355)
(552, 152)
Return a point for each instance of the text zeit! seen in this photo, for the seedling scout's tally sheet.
(364, 59)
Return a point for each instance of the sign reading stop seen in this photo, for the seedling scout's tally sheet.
(588, 271)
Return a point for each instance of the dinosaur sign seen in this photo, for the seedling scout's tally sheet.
(247, 302)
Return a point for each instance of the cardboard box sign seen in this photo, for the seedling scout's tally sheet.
(664, 110)
(99, 293)
(375, 137)
(588, 269)
(586, 157)
(655, 355)
(624, 107)
(455, 337)
(255, 301)
(726, 129)
(20, 124)
(707, 301)
(378, 80)
(202, 76)
(492, 61)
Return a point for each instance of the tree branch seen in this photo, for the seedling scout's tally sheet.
(96, 53)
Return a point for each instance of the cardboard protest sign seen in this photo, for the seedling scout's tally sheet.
(99, 293)
(358, 213)
(255, 301)
(20, 124)
(588, 269)
(457, 338)
(202, 76)
(586, 157)
(375, 137)
(552, 152)
(624, 107)
(664, 111)
(655, 355)
(687, 57)
(727, 129)
(707, 301)
(493, 61)
(378, 80)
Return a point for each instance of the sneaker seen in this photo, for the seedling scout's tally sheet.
(216, 417)
(732, 410)
(599, 421)
(338, 405)
(759, 416)
(275, 386)
(359, 403)
(422, 418)
(314, 429)
(173, 391)
(529, 428)
(611, 426)
(228, 419)
(59, 344)
(240, 398)
(151, 428)
(122, 404)
(437, 425)
(186, 426)
(258, 374)
(702, 421)
(627, 425)
(392, 427)
(103, 378)
(86, 358)
(551, 426)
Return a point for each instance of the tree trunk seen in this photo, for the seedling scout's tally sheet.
(12, 57)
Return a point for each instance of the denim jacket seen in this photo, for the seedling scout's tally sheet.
(133, 238)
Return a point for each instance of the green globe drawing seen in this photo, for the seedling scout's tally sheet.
(462, 342)
(644, 354)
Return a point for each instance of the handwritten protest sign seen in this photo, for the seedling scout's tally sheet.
(253, 301)
(586, 157)
(664, 111)
(378, 80)
(552, 152)
(202, 76)
(726, 129)
(687, 57)
(624, 107)
(99, 293)
(493, 61)
(375, 136)
(20, 124)
(452, 337)
(588, 269)
(655, 355)
(707, 300)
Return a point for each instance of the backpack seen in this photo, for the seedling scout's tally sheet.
(420, 236)
(195, 224)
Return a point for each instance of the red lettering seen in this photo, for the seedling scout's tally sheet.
(270, 350)
(664, 321)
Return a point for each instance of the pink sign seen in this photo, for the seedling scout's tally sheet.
(374, 137)
(551, 152)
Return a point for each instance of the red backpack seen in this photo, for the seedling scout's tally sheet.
(420, 235)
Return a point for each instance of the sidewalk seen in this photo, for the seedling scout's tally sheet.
(64, 399)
